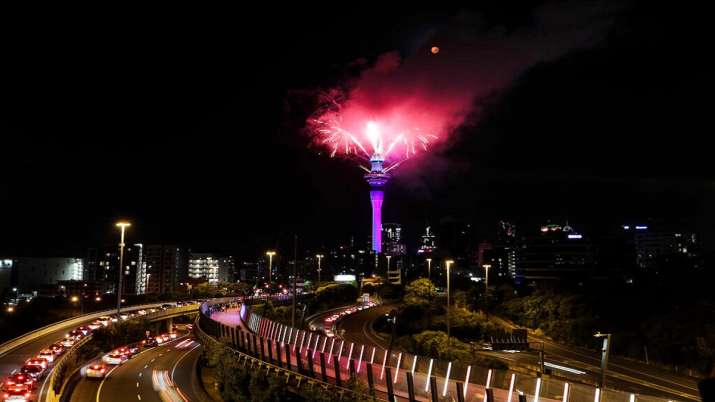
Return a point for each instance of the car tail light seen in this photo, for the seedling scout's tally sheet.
(101, 371)
(27, 395)
(6, 396)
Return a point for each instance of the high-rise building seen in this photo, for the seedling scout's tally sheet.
(165, 267)
(214, 268)
(427, 242)
(555, 253)
(653, 245)
(27, 273)
(247, 272)
(102, 266)
(392, 239)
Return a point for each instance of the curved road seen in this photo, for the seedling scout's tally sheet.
(169, 369)
(622, 373)
(12, 360)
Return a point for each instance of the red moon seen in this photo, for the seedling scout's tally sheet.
(434, 50)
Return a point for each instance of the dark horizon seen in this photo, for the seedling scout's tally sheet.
(103, 122)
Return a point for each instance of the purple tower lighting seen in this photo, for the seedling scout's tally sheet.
(377, 178)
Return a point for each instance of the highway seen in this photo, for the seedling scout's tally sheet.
(623, 374)
(160, 374)
(14, 358)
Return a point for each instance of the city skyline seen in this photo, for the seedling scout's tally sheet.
(524, 157)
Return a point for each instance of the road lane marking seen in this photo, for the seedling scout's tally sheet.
(139, 397)
(101, 384)
(137, 384)
(179, 361)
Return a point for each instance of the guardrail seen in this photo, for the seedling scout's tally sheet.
(53, 396)
(401, 376)
(296, 380)
(67, 323)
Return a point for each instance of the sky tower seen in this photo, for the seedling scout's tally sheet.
(377, 178)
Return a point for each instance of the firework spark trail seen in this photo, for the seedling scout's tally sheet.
(343, 142)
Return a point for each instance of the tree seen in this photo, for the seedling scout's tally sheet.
(420, 291)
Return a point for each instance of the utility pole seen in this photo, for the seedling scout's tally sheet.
(605, 348)
(295, 278)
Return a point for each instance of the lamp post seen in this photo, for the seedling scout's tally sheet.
(448, 263)
(486, 279)
(605, 348)
(429, 276)
(122, 227)
(319, 257)
(270, 255)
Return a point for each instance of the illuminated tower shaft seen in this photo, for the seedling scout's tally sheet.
(377, 178)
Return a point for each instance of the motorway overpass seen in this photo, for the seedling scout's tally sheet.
(15, 352)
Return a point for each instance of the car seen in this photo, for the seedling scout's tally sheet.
(141, 312)
(38, 361)
(159, 339)
(149, 342)
(33, 371)
(127, 351)
(124, 316)
(152, 310)
(166, 306)
(19, 379)
(75, 334)
(85, 330)
(16, 394)
(105, 320)
(47, 354)
(67, 343)
(57, 348)
(173, 335)
(179, 304)
(96, 370)
(114, 358)
(165, 337)
(189, 327)
(95, 325)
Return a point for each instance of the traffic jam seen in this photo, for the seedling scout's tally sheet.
(330, 321)
(22, 383)
(118, 356)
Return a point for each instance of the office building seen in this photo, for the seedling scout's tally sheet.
(212, 267)
(555, 253)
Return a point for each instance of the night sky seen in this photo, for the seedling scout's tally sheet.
(186, 122)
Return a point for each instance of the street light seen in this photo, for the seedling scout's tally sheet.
(429, 276)
(10, 309)
(270, 255)
(604, 356)
(319, 257)
(486, 278)
(448, 263)
(122, 227)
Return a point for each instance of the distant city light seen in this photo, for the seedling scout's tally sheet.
(344, 278)
(626, 227)
(642, 227)
(575, 236)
